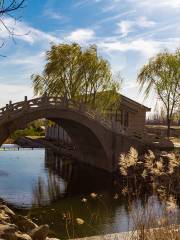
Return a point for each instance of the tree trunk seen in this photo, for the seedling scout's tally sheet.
(168, 127)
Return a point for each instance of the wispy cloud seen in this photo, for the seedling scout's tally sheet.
(127, 26)
(80, 35)
(24, 59)
(25, 33)
(117, 16)
(157, 4)
(146, 4)
(144, 22)
(161, 28)
(80, 3)
(146, 47)
(50, 13)
(84, 2)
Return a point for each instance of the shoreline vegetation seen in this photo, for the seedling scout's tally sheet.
(159, 171)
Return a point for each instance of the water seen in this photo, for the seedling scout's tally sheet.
(50, 190)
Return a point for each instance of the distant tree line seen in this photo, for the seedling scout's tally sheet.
(35, 128)
(159, 118)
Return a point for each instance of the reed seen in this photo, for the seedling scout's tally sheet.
(162, 174)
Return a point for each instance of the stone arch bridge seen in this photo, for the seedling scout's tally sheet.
(97, 142)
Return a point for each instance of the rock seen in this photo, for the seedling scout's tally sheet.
(21, 236)
(4, 216)
(3, 222)
(40, 233)
(22, 227)
(8, 227)
(7, 210)
(8, 232)
(52, 239)
(24, 224)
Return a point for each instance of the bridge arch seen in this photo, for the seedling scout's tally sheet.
(90, 133)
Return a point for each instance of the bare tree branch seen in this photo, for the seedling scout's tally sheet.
(8, 8)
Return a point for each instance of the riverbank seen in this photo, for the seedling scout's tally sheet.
(36, 142)
(17, 227)
(115, 236)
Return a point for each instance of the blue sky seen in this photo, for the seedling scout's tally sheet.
(127, 33)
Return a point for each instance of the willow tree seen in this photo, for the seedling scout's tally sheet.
(76, 73)
(162, 74)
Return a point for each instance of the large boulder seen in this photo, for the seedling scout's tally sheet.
(40, 233)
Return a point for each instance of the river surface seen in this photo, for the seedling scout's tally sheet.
(54, 190)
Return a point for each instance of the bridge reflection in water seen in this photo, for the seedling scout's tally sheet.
(66, 178)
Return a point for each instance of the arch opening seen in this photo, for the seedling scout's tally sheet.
(86, 134)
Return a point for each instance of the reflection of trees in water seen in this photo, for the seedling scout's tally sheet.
(66, 176)
(45, 192)
(39, 193)
(58, 165)
(80, 178)
(54, 187)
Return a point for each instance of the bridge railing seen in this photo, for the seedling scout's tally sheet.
(45, 102)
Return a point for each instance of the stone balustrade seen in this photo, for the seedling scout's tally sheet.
(46, 102)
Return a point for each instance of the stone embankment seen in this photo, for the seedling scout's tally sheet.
(17, 227)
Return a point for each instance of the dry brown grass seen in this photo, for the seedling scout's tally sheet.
(163, 175)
